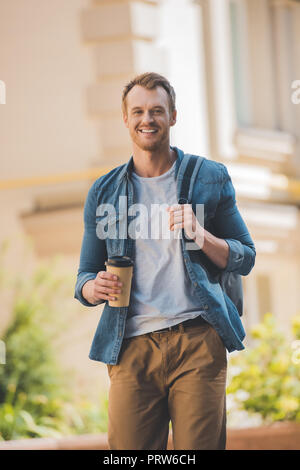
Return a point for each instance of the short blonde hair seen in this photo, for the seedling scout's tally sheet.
(150, 80)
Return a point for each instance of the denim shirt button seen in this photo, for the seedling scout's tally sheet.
(195, 284)
(206, 307)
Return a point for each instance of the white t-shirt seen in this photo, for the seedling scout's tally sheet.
(162, 293)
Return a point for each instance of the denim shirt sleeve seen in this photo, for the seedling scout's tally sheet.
(93, 250)
(230, 226)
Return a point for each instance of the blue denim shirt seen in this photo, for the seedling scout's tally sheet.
(212, 187)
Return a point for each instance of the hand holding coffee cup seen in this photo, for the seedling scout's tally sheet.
(122, 267)
(107, 285)
(104, 287)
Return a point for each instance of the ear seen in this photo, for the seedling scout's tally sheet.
(173, 118)
(125, 118)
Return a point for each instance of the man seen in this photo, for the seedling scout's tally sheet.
(166, 352)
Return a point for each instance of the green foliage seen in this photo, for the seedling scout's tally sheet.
(89, 418)
(35, 394)
(264, 379)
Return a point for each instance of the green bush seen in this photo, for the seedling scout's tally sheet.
(35, 393)
(264, 379)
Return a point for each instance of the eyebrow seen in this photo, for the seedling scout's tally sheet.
(139, 107)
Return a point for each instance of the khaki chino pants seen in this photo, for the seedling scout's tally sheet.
(177, 375)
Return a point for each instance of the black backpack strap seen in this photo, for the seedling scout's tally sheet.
(185, 185)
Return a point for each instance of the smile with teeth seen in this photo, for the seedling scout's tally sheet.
(148, 131)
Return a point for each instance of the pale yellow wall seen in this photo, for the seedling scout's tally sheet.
(46, 67)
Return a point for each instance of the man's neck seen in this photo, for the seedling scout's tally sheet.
(149, 164)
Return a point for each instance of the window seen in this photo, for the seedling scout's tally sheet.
(265, 62)
(253, 63)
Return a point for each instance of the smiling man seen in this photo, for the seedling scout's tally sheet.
(165, 352)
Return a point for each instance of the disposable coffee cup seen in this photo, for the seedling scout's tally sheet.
(121, 266)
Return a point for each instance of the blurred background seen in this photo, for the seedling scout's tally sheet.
(235, 67)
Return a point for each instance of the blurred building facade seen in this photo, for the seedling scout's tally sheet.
(232, 64)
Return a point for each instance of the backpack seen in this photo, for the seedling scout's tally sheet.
(230, 282)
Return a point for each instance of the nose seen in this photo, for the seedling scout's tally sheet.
(147, 117)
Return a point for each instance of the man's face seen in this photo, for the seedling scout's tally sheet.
(148, 117)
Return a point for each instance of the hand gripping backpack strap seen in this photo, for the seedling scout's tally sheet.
(193, 163)
(230, 282)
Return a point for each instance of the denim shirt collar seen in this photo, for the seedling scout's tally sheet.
(127, 169)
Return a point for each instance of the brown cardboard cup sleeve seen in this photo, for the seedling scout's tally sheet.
(122, 266)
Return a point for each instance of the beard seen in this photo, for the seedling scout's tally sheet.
(151, 145)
